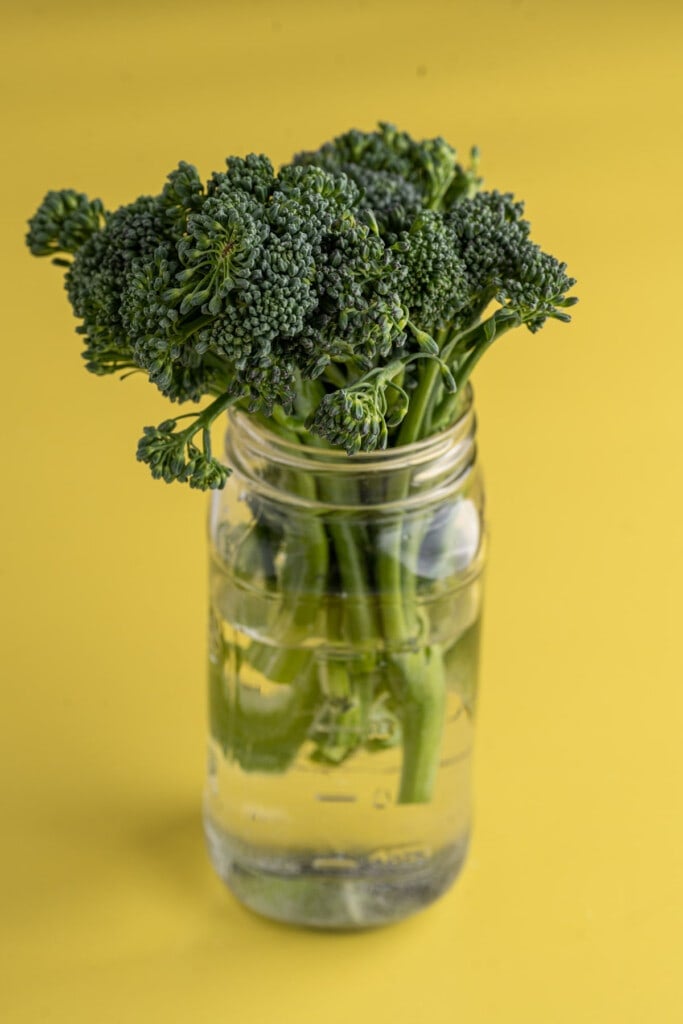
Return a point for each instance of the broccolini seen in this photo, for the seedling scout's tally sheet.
(363, 254)
(344, 300)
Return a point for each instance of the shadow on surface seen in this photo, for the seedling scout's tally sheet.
(172, 840)
(97, 865)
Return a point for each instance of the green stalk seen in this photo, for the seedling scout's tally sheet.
(423, 684)
(308, 576)
(262, 732)
(360, 619)
(472, 343)
(269, 729)
(411, 428)
(418, 674)
(421, 672)
(302, 576)
(417, 422)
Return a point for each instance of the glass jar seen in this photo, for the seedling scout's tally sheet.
(345, 606)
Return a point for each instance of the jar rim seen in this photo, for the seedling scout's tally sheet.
(427, 447)
(438, 465)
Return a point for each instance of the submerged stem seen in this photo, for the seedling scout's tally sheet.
(418, 673)
(423, 721)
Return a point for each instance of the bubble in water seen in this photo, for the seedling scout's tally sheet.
(381, 799)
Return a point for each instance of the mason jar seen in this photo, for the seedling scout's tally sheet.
(345, 609)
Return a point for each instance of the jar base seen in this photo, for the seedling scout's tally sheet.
(332, 892)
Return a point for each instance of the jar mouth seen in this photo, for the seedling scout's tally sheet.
(308, 474)
(424, 450)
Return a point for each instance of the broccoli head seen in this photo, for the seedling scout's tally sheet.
(351, 290)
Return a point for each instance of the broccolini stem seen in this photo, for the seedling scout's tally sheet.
(303, 583)
(207, 416)
(361, 616)
(268, 730)
(335, 375)
(497, 325)
(411, 428)
(294, 666)
(422, 684)
(424, 711)
(421, 673)
(420, 681)
(419, 403)
(348, 540)
(502, 321)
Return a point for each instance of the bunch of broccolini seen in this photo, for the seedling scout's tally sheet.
(344, 301)
(374, 266)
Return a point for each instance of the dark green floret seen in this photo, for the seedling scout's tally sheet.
(261, 288)
(389, 160)
(437, 285)
(63, 222)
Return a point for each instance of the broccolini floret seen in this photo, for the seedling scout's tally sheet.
(388, 160)
(374, 251)
(63, 222)
(437, 286)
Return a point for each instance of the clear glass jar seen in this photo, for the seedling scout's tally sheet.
(345, 605)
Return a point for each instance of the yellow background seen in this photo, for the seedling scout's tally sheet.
(571, 905)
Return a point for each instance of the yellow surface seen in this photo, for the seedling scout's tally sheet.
(571, 906)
